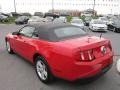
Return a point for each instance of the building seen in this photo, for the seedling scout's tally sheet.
(101, 6)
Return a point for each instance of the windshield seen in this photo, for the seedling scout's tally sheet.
(104, 19)
(98, 22)
(22, 18)
(35, 17)
(49, 18)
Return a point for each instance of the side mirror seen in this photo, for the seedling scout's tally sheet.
(36, 34)
(15, 33)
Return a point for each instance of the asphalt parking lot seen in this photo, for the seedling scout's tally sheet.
(17, 74)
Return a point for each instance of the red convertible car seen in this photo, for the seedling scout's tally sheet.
(61, 50)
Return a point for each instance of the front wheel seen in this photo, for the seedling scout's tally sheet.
(43, 70)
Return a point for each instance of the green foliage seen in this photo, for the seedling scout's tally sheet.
(82, 17)
(69, 18)
(95, 17)
(9, 20)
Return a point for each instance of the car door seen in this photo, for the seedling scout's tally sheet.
(25, 43)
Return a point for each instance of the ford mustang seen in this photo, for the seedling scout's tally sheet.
(61, 50)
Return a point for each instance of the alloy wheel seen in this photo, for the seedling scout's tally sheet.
(41, 70)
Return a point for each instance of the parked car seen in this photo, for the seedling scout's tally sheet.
(86, 14)
(14, 14)
(87, 21)
(35, 19)
(63, 18)
(61, 50)
(60, 20)
(98, 25)
(104, 19)
(54, 16)
(22, 20)
(40, 14)
(114, 25)
(78, 22)
(26, 14)
(3, 18)
(112, 19)
(49, 19)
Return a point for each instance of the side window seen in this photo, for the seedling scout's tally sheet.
(27, 31)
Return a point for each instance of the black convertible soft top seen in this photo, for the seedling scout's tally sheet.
(49, 25)
(46, 31)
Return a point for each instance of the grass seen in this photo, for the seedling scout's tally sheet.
(10, 20)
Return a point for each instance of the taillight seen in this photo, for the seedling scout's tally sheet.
(85, 55)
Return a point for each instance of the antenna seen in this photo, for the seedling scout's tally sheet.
(101, 35)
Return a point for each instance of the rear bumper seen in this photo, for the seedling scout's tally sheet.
(83, 70)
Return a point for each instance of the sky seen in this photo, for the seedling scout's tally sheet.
(8, 6)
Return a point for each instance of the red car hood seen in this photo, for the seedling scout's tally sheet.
(83, 43)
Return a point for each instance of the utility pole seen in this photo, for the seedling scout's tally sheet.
(0, 8)
(15, 6)
(53, 6)
(111, 11)
(94, 7)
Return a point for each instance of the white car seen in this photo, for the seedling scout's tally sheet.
(58, 20)
(98, 25)
(75, 17)
(104, 19)
(62, 18)
(78, 22)
(49, 19)
(35, 19)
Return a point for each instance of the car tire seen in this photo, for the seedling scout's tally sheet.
(8, 47)
(42, 70)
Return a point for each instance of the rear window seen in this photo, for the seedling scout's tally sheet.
(68, 32)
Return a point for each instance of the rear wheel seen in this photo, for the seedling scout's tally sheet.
(8, 47)
(43, 70)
